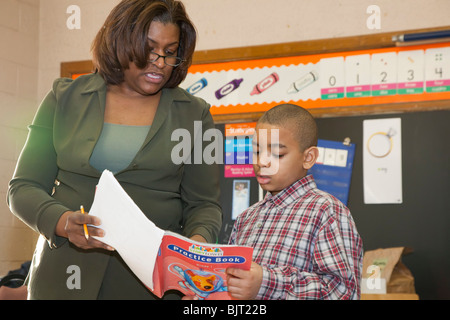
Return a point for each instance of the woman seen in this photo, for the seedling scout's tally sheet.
(120, 118)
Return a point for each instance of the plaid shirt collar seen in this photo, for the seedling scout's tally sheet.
(289, 194)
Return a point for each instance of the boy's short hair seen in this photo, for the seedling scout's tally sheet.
(123, 38)
(298, 119)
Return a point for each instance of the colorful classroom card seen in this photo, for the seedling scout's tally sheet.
(239, 150)
(357, 76)
(384, 74)
(332, 78)
(411, 72)
(438, 70)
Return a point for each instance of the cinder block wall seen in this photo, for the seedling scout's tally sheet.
(19, 58)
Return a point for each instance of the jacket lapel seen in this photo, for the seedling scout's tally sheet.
(168, 97)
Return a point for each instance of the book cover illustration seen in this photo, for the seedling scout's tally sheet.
(195, 268)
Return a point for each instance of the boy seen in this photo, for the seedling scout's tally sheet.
(305, 242)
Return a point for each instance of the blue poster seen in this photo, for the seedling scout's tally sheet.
(333, 169)
(238, 150)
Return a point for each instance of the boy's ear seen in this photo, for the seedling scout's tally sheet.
(311, 155)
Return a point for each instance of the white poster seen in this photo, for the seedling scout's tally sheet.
(382, 161)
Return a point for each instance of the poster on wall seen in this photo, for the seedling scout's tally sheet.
(238, 150)
(382, 161)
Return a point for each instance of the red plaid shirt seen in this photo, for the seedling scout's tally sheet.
(306, 242)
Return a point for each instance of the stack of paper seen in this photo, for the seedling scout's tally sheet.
(127, 229)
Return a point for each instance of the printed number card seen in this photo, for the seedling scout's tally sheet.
(332, 78)
(437, 69)
(384, 74)
(411, 72)
(357, 76)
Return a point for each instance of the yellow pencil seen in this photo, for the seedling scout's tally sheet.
(86, 233)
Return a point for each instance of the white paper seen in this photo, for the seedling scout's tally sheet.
(127, 229)
(382, 161)
(330, 157)
(321, 156)
(341, 157)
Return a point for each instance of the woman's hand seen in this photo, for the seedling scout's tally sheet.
(71, 226)
(198, 238)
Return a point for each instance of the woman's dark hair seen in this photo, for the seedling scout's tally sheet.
(123, 38)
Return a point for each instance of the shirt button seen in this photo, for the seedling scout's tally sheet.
(259, 225)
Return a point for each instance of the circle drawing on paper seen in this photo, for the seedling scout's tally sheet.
(380, 144)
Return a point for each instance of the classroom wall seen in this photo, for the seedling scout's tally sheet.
(236, 23)
(19, 65)
(35, 40)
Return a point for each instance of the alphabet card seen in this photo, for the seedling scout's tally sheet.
(437, 72)
(384, 74)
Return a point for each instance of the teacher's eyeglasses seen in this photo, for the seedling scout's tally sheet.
(171, 61)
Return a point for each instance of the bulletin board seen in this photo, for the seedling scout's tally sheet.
(331, 80)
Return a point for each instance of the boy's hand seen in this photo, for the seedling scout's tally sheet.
(244, 284)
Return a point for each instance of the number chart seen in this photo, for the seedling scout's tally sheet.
(342, 79)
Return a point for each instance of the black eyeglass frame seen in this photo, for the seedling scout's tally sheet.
(178, 59)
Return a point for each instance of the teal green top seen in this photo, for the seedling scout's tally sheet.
(117, 146)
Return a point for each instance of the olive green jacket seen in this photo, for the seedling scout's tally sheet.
(53, 175)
